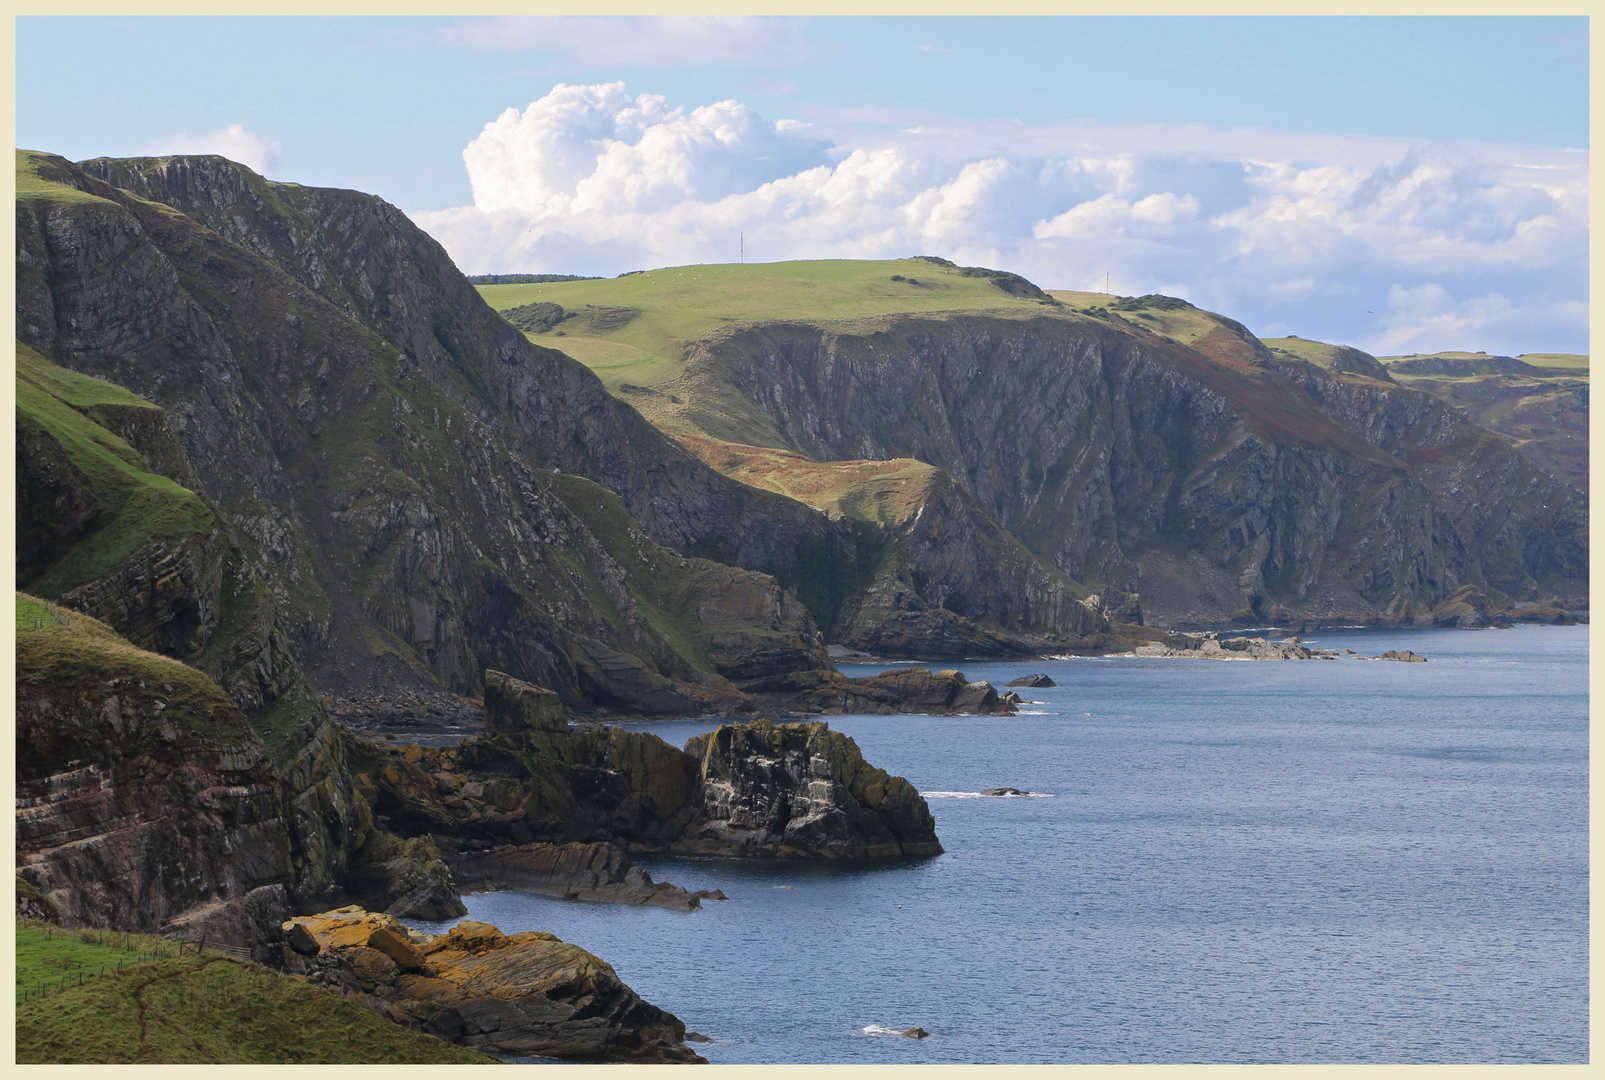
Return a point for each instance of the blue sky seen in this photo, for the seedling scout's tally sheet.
(1401, 184)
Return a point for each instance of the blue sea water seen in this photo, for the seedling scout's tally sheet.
(1300, 861)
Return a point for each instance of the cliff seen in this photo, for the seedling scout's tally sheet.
(1208, 476)
(402, 516)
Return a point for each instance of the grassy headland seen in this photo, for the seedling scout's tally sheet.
(162, 1008)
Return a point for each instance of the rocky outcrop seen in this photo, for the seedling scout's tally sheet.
(1035, 681)
(792, 790)
(575, 871)
(901, 690)
(1404, 655)
(1209, 646)
(144, 799)
(800, 790)
(526, 994)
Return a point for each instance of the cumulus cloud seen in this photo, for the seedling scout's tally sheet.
(234, 142)
(654, 41)
(1373, 242)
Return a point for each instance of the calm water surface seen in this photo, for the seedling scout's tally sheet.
(1232, 862)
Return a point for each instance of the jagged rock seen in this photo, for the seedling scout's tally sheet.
(1553, 612)
(577, 871)
(144, 800)
(405, 878)
(300, 939)
(33, 904)
(1402, 654)
(514, 705)
(522, 994)
(793, 790)
(1035, 681)
(1209, 647)
(1012, 698)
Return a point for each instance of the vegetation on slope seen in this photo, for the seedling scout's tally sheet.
(122, 502)
(70, 658)
(679, 304)
(194, 1009)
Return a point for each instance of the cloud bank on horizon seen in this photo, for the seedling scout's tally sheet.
(1388, 244)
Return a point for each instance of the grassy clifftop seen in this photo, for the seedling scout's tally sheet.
(192, 1009)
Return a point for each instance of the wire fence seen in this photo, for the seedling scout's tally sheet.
(34, 621)
(142, 948)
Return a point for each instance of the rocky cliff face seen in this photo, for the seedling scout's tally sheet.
(369, 262)
(145, 800)
(1210, 478)
(403, 535)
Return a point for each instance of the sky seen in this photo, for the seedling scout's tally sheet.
(1398, 184)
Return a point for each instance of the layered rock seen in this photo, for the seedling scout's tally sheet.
(800, 790)
(144, 799)
(516, 994)
(575, 871)
(900, 690)
(1219, 481)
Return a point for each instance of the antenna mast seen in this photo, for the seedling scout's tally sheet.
(743, 248)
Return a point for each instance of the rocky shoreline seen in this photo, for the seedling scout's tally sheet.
(514, 994)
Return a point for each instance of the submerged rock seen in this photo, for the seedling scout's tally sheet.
(523, 994)
(1004, 791)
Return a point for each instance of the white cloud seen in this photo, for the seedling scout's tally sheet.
(1314, 232)
(655, 41)
(234, 142)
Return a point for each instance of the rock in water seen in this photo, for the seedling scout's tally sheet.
(917, 1033)
(1403, 654)
(577, 871)
(801, 790)
(1032, 681)
(512, 705)
(1004, 791)
(523, 994)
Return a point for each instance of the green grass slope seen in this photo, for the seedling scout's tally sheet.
(129, 504)
(635, 329)
(67, 656)
(194, 1009)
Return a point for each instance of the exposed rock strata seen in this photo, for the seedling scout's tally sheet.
(576, 871)
(800, 790)
(751, 788)
(1220, 482)
(517, 994)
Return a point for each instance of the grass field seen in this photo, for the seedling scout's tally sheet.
(1574, 364)
(191, 1009)
(678, 304)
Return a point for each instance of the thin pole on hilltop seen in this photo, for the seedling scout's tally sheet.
(743, 248)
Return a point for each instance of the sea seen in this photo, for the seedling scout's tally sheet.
(1218, 861)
